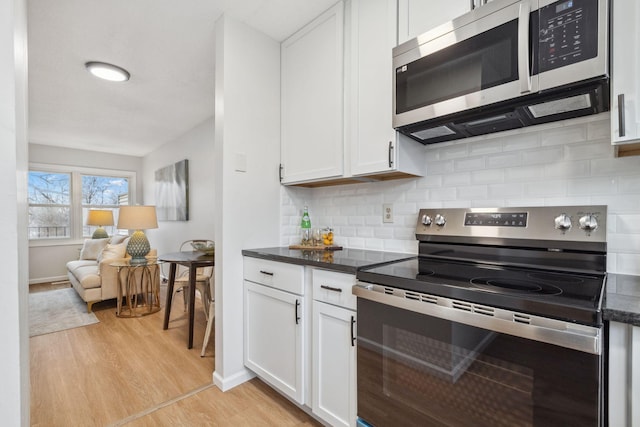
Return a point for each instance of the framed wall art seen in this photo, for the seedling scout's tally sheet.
(172, 192)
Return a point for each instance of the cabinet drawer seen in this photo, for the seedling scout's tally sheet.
(279, 275)
(334, 288)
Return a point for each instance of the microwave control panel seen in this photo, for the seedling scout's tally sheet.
(567, 33)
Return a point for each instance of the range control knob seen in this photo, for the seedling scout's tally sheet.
(440, 220)
(563, 222)
(588, 222)
(426, 220)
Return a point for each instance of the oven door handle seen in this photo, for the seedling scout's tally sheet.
(583, 338)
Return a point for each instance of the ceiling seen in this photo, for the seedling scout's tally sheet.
(166, 45)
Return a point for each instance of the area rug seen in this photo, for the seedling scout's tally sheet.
(57, 310)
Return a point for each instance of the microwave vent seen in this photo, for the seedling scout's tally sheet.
(435, 132)
(558, 106)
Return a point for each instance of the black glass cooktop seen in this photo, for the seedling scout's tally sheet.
(567, 296)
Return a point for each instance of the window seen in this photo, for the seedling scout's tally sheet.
(103, 192)
(59, 200)
(49, 205)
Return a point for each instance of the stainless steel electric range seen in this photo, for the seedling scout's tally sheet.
(496, 322)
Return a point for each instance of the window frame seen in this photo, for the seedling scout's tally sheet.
(76, 203)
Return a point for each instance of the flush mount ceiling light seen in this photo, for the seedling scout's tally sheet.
(106, 71)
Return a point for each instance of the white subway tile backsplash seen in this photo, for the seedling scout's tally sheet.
(485, 147)
(628, 263)
(597, 150)
(443, 194)
(488, 176)
(455, 179)
(474, 163)
(567, 169)
(545, 188)
(543, 156)
(599, 129)
(496, 191)
(520, 142)
(459, 150)
(523, 173)
(473, 192)
(504, 160)
(617, 166)
(592, 186)
(564, 163)
(439, 168)
(563, 135)
(628, 224)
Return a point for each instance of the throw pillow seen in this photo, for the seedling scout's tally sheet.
(113, 251)
(118, 238)
(92, 248)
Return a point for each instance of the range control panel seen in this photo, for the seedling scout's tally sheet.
(568, 223)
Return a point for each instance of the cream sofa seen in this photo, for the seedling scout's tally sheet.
(92, 276)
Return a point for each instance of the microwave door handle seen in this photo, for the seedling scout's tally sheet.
(523, 47)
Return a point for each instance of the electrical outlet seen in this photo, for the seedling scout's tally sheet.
(387, 212)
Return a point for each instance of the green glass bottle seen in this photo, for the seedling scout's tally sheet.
(305, 226)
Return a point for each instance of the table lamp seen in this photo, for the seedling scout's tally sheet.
(100, 217)
(137, 218)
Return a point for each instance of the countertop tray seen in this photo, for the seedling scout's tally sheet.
(316, 247)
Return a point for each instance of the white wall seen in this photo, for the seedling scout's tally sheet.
(197, 147)
(47, 262)
(14, 334)
(247, 126)
(563, 163)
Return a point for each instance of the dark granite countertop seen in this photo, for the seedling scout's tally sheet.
(344, 260)
(622, 300)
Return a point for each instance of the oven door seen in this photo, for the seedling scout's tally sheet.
(417, 369)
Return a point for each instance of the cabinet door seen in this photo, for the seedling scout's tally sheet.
(334, 364)
(312, 100)
(625, 86)
(418, 16)
(624, 375)
(372, 137)
(375, 145)
(274, 339)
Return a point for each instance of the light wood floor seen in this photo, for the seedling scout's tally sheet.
(131, 372)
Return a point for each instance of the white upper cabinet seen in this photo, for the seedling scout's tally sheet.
(375, 148)
(312, 144)
(418, 16)
(625, 72)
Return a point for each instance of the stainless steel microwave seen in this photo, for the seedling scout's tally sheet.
(504, 65)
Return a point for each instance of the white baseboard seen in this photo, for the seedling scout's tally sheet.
(227, 383)
(48, 279)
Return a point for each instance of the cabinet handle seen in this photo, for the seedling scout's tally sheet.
(621, 123)
(353, 335)
(268, 273)
(331, 288)
(280, 171)
(297, 305)
(390, 154)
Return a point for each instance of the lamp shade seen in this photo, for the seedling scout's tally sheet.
(100, 217)
(137, 218)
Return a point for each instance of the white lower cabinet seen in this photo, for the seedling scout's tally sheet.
(334, 349)
(334, 364)
(274, 327)
(624, 375)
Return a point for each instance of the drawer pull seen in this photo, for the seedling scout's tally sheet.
(297, 305)
(331, 288)
(268, 273)
(353, 335)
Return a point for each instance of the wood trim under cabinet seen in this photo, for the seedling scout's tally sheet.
(627, 150)
(356, 180)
